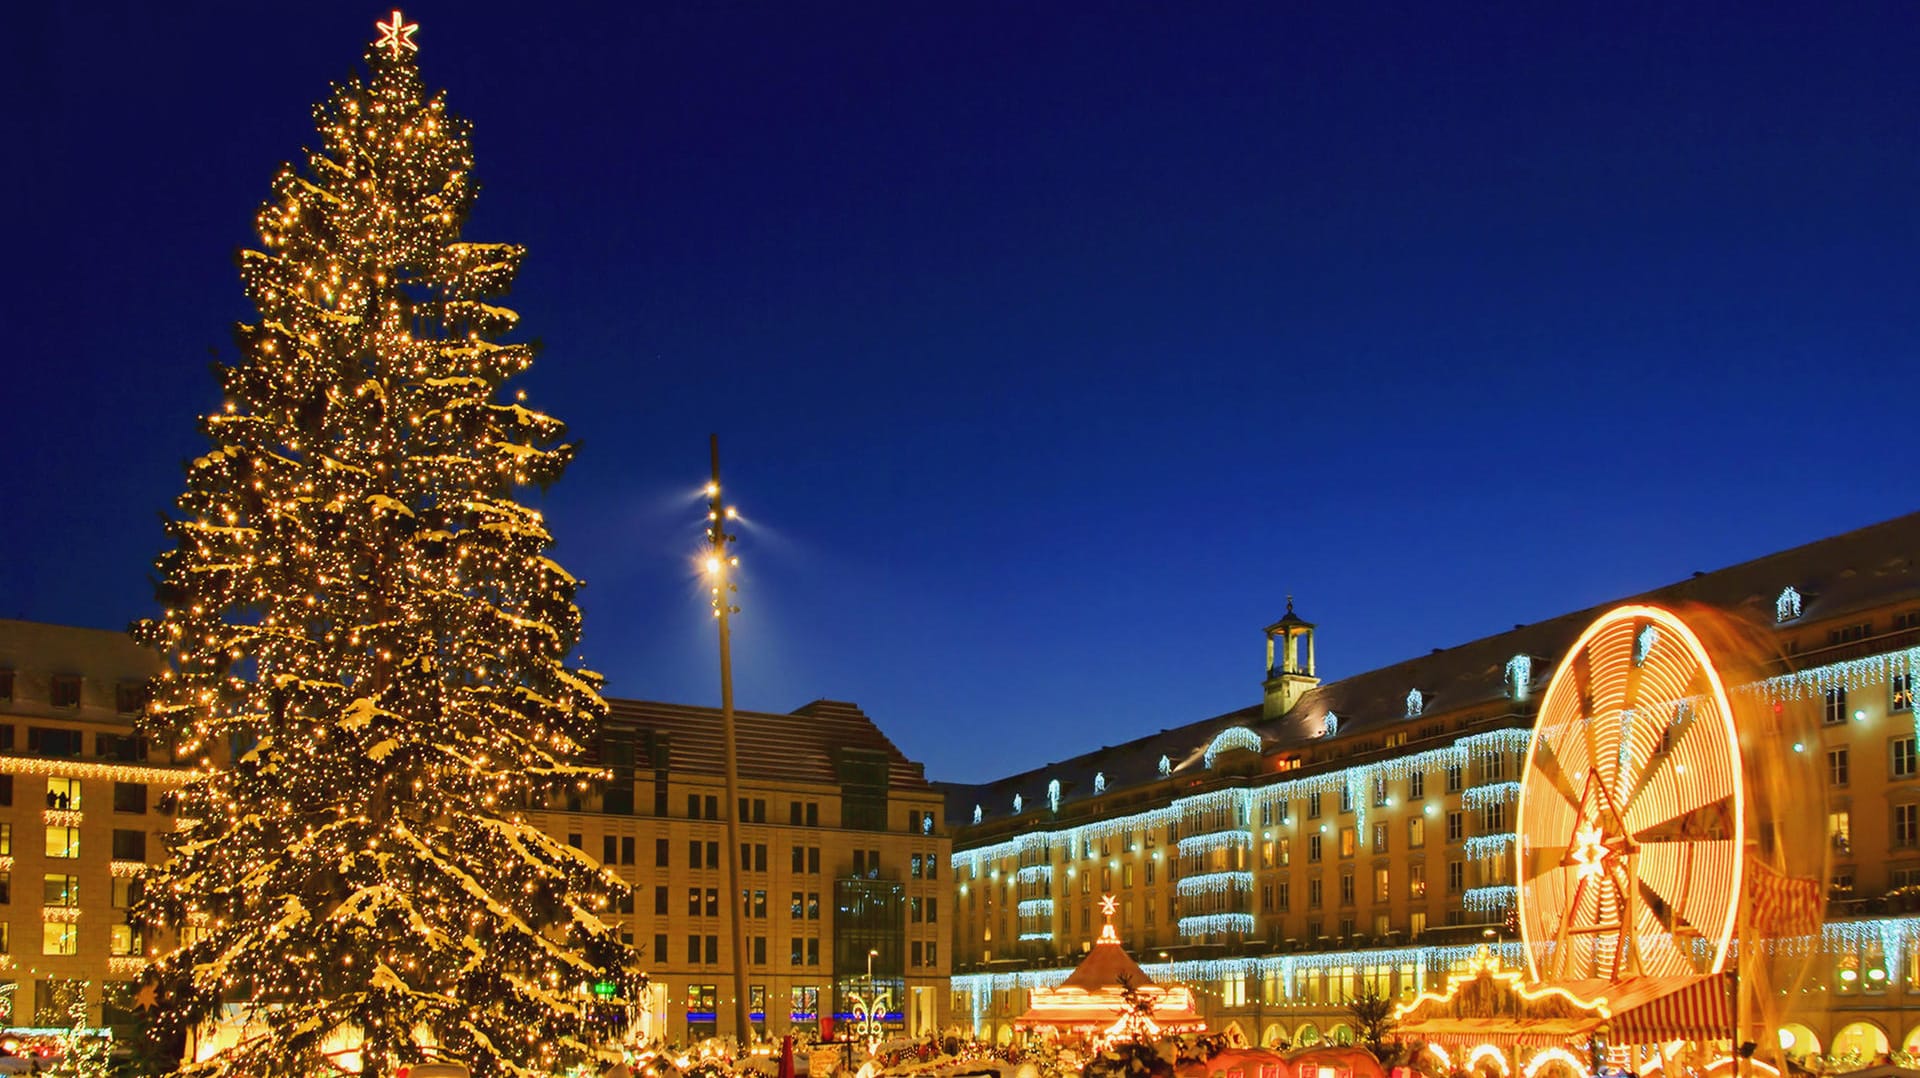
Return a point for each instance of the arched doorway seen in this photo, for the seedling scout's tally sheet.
(1859, 1042)
(1273, 1036)
(1236, 1036)
(1339, 1034)
(1798, 1041)
(1306, 1036)
(1911, 1042)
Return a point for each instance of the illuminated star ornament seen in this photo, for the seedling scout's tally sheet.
(396, 35)
(1589, 852)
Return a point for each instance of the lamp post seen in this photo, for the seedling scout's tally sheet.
(719, 564)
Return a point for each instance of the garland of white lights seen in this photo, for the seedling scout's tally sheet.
(1030, 873)
(1214, 883)
(1206, 924)
(1846, 674)
(1035, 907)
(1488, 793)
(1218, 840)
(1233, 737)
(1490, 845)
(1488, 899)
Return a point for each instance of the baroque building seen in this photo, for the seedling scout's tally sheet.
(1359, 833)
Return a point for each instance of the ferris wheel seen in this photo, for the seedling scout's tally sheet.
(1632, 808)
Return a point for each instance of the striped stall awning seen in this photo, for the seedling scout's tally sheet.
(1693, 1009)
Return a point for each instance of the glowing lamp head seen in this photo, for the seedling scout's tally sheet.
(713, 565)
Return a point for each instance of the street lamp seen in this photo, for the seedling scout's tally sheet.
(718, 562)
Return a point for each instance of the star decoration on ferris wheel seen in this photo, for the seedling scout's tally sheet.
(396, 35)
(1589, 851)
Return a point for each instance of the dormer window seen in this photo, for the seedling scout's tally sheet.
(1416, 702)
(1330, 725)
(1099, 782)
(1053, 796)
(1787, 607)
(1166, 766)
(1019, 803)
(978, 814)
(1519, 676)
(1232, 739)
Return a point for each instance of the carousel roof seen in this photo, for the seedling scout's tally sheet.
(1093, 997)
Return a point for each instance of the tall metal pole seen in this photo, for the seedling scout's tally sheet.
(719, 562)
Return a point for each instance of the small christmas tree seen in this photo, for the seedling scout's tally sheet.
(368, 643)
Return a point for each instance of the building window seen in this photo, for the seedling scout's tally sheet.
(1282, 892)
(1380, 837)
(1346, 888)
(1417, 880)
(1834, 712)
(1347, 842)
(1456, 827)
(1346, 798)
(130, 797)
(63, 690)
(60, 938)
(61, 890)
(1416, 832)
(1847, 634)
(63, 842)
(1837, 767)
(1456, 877)
(129, 845)
(1417, 785)
(1840, 832)
(1900, 757)
(51, 741)
(1454, 779)
(1906, 826)
(1902, 693)
(1313, 893)
(1313, 805)
(1493, 817)
(1382, 885)
(1313, 849)
(123, 939)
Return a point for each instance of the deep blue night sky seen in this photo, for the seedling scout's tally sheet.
(1051, 345)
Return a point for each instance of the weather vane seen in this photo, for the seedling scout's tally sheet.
(396, 35)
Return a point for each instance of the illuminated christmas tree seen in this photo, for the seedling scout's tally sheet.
(368, 643)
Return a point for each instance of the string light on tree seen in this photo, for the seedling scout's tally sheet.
(367, 644)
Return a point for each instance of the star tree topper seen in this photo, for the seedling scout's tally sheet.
(396, 35)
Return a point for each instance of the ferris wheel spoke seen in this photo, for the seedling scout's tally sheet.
(1697, 809)
(1547, 762)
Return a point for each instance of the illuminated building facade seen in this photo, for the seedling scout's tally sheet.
(844, 854)
(83, 805)
(1359, 832)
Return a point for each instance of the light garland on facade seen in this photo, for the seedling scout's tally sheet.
(1214, 883)
(1216, 840)
(1490, 845)
(63, 817)
(1031, 873)
(1814, 681)
(1488, 899)
(1206, 924)
(1787, 607)
(126, 870)
(1488, 793)
(1416, 703)
(1231, 739)
(68, 767)
(1035, 907)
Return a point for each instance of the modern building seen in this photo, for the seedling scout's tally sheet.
(1360, 833)
(843, 860)
(843, 852)
(83, 806)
